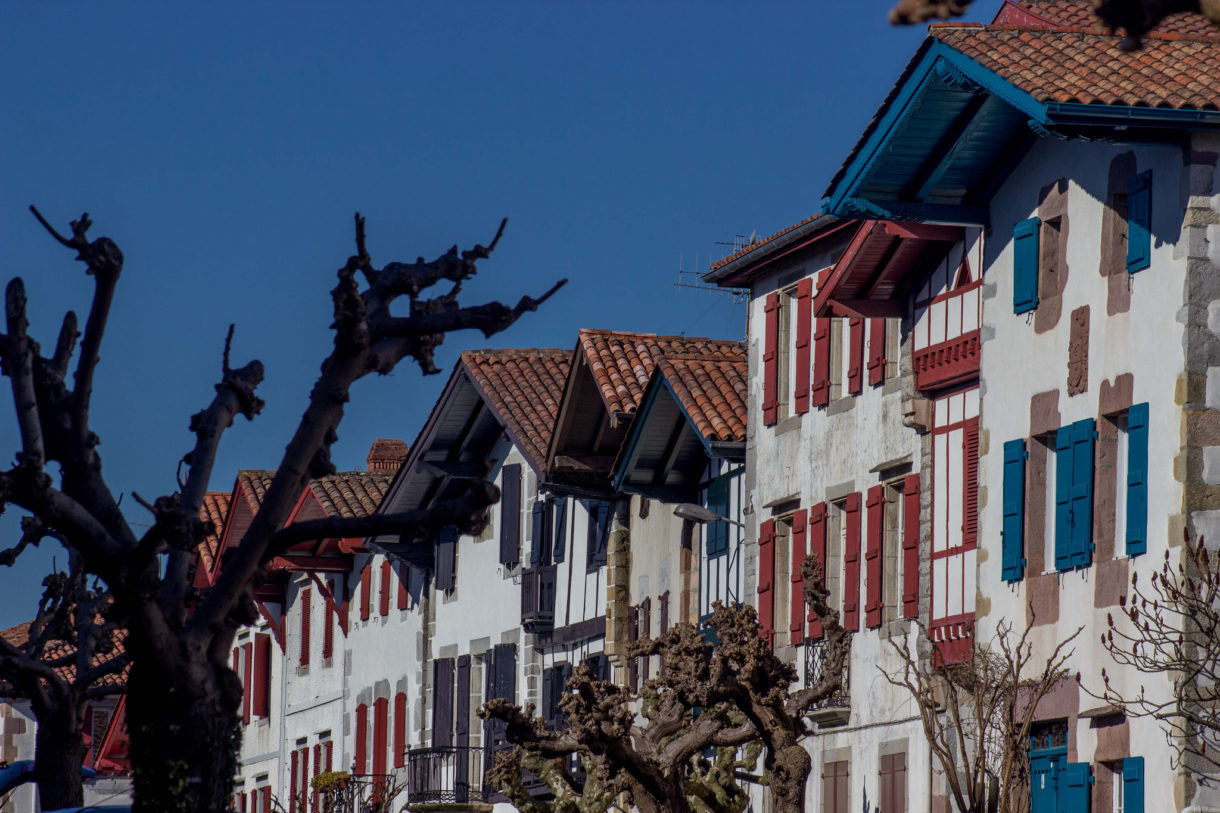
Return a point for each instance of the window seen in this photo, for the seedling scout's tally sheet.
(836, 527)
(1050, 257)
(716, 533)
(838, 359)
(786, 359)
(891, 551)
(554, 684)
(783, 580)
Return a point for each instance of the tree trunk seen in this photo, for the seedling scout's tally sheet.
(59, 752)
(185, 734)
(788, 774)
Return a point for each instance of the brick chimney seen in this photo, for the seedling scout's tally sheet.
(386, 455)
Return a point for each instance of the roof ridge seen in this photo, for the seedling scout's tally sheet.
(513, 351)
(744, 250)
(1078, 30)
(662, 336)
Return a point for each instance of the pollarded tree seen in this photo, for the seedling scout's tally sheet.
(737, 693)
(1171, 627)
(977, 711)
(67, 657)
(184, 699)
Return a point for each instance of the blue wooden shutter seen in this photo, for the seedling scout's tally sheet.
(1083, 434)
(1044, 791)
(1063, 498)
(1013, 533)
(560, 523)
(1139, 222)
(540, 537)
(1025, 265)
(1137, 479)
(1133, 785)
(1074, 793)
(718, 530)
(446, 558)
(510, 514)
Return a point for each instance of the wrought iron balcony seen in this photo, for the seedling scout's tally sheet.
(836, 708)
(446, 774)
(538, 599)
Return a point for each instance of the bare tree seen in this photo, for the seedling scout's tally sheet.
(976, 712)
(68, 658)
(182, 709)
(1171, 627)
(1135, 17)
(726, 696)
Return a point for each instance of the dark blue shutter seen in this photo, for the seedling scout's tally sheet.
(548, 696)
(1133, 785)
(559, 520)
(718, 530)
(1025, 265)
(1139, 222)
(540, 538)
(1013, 533)
(510, 514)
(1074, 793)
(1083, 435)
(1137, 479)
(1063, 498)
(446, 558)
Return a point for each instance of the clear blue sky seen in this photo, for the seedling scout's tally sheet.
(225, 146)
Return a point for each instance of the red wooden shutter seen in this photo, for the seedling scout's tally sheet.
(796, 596)
(817, 547)
(362, 735)
(804, 310)
(381, 711)
(872, 556)
(851, 562)
(266, 798)
(330, 755)
(384, 599)
(303, 793)
(292, 782)
(262, 675)
(366, 589)
(876, 352)
(821, 361)
(400, 729)
(910, 546)
(855, 357)
(766, 576)
(306, 595)
(247, 663)
(404, 600)
(317, 769)
(328, 633)
(970, 483)
(771, 360)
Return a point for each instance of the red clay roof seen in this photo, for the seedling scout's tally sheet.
(525, 388)
(345, 494)
(1079, 14)
(762, 242)
(1076, 65)
(19, 635)
(215, 509)
(713, 390)
(621, 363)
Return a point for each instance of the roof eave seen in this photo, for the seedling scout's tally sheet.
(742, 269)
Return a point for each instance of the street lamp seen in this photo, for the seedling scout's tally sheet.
(698, 513)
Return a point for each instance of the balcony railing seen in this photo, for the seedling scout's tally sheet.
(452, 774)
(947, 362)
(538, 599)
(836, 708)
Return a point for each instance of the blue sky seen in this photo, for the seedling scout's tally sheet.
(225, 146)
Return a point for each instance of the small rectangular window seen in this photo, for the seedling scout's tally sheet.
(838, 359)
(891, 552)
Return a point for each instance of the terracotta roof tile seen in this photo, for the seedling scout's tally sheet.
(1079, 14)
(20, 634)
(215, 509)
(713, 390)
(1073, 65)
(525, 388)
(621, 363)
(762, 241)
(351, 493)
(345, 494)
